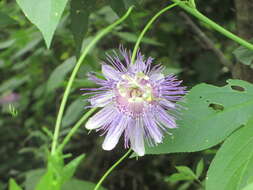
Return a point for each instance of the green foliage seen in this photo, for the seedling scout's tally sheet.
(13, 185)
(130, 37)
(69, 170)
(57, 176)
(80, 11)
(244, 55)
(6, 20)
(39, 77)
(59, 74)
(232, 166)
(200, 168)
(211, 113)
(44, 14)
(77, 184)
(186, 176)
(73, 112)
(248, 187)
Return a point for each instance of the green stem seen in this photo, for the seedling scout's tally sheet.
(111, 168)
(212, 24)
(146, 28)
(73, 75)
(75, 128)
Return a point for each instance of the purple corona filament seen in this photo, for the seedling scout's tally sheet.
(136, 101)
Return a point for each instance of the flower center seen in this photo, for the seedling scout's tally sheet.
(135, 89)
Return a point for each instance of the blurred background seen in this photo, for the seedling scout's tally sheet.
(33, 78)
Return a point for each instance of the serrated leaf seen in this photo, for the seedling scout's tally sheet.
(44, 14)
(232, 166)
(211, 114)
(13, 185)
(244, 55)
(70, 168)
(186, 171)
(79, 14)
(58, 75)
(73, 112)
(77, 184)
(200, 168)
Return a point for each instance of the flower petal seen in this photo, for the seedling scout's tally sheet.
(101, 100)
(103, 117)
(114, 132)
(110, 73)
(137, 139)
(165, 118)
(152, 128)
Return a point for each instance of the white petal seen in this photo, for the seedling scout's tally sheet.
(167, 103)
(101, 100)
(114, 134)
(101, 118)
(156, 77)
(110, 73)
(137, 139)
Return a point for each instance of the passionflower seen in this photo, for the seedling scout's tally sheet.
(137, 101)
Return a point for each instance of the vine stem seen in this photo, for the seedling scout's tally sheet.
(73, 75)
(212, 24)
(146, 29)
(75, 128)
(111, 168)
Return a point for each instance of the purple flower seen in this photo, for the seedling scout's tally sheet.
(137, 101)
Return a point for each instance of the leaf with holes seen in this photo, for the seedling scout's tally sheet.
(232, 166)
(44, 14)
(211, 114)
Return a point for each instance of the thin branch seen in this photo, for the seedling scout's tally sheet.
(210, 45)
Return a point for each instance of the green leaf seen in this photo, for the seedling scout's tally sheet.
(70, 168)
(58, 75)
(177, 177)
(47, 181)
(186, 171)
(73, 112)
(32, 177)
(211, 114)
(121, 6)
(13, 83)
(200, 168)
(79, 14)
(244, 55)
(13, 185)
(77, 184)
(5, 20)
(232, 166)
(44, 14)
(248, 187)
